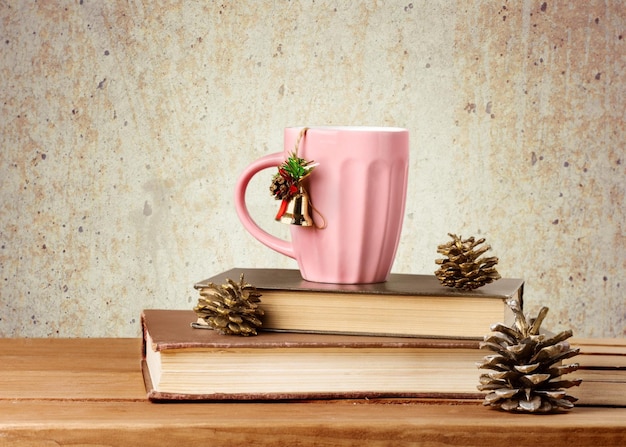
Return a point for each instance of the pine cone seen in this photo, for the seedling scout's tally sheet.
(280, 187)
(463, 268)
(527, 366)
(232, 308)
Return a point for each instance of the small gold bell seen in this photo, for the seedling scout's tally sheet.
(298, 210)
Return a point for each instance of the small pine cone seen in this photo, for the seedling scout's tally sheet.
(463, 267)
(280, 187)
(232, 308)
(526, 366)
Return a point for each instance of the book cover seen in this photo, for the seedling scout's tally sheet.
(404, 305)
(182, 363)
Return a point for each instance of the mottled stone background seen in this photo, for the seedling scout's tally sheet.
(124, 125)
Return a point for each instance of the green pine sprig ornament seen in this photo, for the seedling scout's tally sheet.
(296, 167)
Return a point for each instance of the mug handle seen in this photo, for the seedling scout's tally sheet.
(271, 241)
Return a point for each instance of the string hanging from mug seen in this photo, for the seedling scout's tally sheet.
(288, 187)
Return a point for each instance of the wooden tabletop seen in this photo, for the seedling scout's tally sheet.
(78, 392)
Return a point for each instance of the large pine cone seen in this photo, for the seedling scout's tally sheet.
(527, 367)
(463, 267)
(232, 308)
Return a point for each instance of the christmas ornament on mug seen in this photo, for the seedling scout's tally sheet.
(288, 187)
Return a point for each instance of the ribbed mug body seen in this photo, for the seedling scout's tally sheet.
(358, 195)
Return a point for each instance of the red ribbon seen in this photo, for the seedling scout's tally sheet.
(283, 209)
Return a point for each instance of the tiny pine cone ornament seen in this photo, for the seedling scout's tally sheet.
(231, 308)
(463, 267)
(281, 187)
(527, 366)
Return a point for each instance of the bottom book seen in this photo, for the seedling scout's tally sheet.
(183, 363)
(603, 371)
(600, 391)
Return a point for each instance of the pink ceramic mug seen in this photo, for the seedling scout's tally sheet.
(357, 193)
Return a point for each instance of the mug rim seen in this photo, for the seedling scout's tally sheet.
(353, 128)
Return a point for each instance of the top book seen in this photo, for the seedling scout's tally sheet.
(405, 305)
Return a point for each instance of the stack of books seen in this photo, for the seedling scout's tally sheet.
(407, 337)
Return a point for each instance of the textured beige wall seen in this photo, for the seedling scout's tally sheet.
(124, 125)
